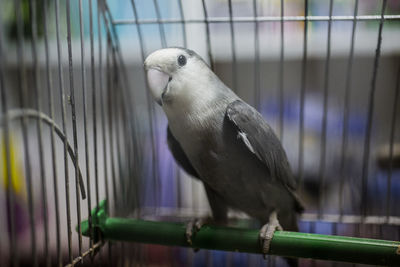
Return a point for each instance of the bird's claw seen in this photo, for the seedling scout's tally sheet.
(189, 232)
(193, 227)
(267, 232)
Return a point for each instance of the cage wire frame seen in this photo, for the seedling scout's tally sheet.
(117, 137)
(25, 113)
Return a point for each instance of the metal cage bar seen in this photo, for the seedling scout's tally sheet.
(322, 163)
(366, 153)
(258, 19)
(23, 93)
(6, 140)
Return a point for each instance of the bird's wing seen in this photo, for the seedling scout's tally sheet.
(260, 140)
(179, 154)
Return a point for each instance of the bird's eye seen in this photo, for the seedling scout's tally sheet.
(182, 60)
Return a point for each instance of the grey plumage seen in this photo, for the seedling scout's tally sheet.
(219, 139)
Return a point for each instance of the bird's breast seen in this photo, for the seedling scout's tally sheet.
(194, 138)
(197, 135)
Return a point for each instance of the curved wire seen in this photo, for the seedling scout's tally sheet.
(15, 114)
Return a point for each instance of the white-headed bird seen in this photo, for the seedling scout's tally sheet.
(218, 138)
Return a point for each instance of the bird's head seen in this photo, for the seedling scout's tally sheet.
(175, 72)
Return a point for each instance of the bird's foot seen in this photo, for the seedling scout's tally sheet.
(193, 227)
(267, 232)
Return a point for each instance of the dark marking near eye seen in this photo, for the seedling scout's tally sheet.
(182, 60)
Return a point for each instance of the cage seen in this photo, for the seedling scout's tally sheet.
(83, 143)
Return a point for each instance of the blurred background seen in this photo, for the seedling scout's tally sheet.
(77, 124)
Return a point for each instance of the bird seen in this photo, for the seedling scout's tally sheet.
(224, 142)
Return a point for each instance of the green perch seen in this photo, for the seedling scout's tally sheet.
(288, 244)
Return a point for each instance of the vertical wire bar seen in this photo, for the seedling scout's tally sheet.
(160, 25)
(177, 168)
(52, 136)
(101, 87)
(83, 73)
(346, 116)
(322, 163)
(208, 39)
(118, 111)
(94, 109)
(157, 177)
(132, 158)
(64, 126)
(257, 93)
(111, 117)
(109, 105)
(192, 182)
(178, 186)
(23, 93)
(74, 127)
(126, 142)
(102, 113)
(142, 53)
(183, 24)
(257, 87)
(123, 151)
(118, 108)
(281, 72)
(347, 109)
(10, 201)
(391, 144)
(398, 234)
(302, 97)
(150, 107)
(32, 15)
(368, 128)
(233, 48)
(100, 13)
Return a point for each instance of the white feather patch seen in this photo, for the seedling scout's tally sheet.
(243, 136)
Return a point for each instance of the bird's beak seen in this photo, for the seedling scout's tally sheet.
(158, 83)
(156, 65)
